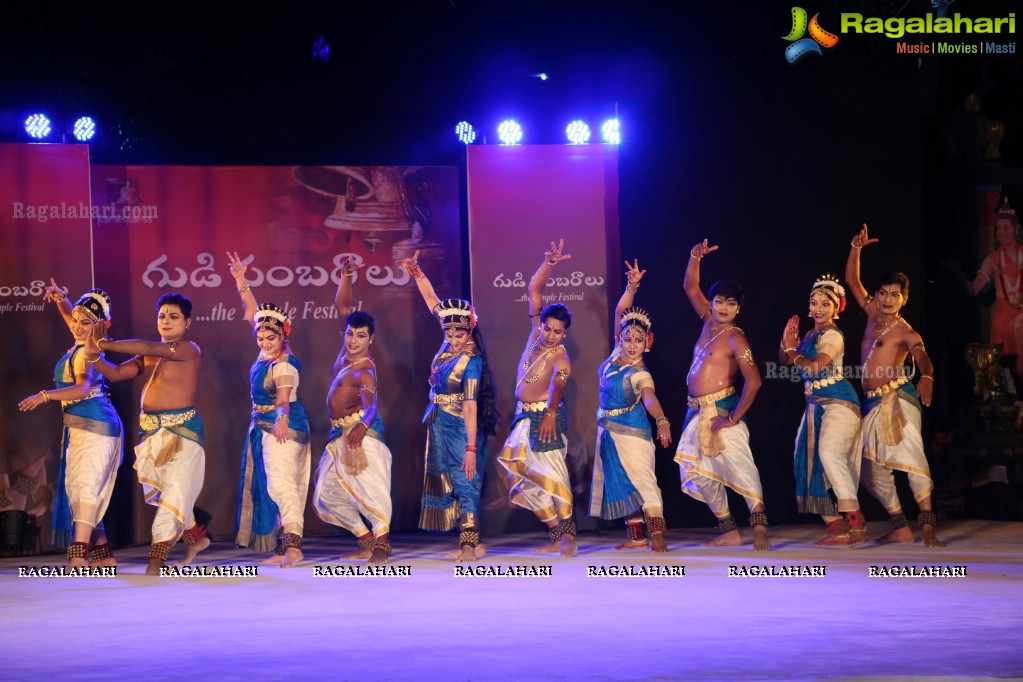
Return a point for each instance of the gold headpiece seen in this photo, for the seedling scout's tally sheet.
(95, 303)
(828, 285)
(635, 317)
(454, 313)
(272, 317)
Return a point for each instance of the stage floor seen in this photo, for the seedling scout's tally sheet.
(434, 625)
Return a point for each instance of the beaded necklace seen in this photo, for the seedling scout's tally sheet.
(541, 358)
(698, 355)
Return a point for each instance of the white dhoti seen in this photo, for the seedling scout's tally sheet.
(91, 469)
(537, 481)
(287, 479)
(637, 457)
(171, 470)
(704, 477)
(839, 447)
(343, 499)
(906, 455)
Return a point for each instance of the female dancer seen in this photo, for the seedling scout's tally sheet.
(275, 462)
(461, 415)
(92, 444)
(828, 443)
(623, 470)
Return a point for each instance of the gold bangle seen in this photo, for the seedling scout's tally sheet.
(93, 362)
(853, 244)
(45, 395)
(925, 376)
(243, 288)
(632, 288)
(730, 420)
(99, 343)
(552, 262)
(662, 420)
(57, 298)
(348, 274)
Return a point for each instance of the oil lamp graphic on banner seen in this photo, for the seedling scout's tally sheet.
(378, 202)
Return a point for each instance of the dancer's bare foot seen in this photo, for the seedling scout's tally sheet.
(378, 557)
(154, 566)
(930, 538)
(903, 534)
(731, 538)
(272, 559)
(549, 548)
(634, 544)
(466, 555)
(760, 541)
(105, 563)
(358, 555)
(292, 557)
(568, 546)
(481, 551)
(192, 550)
(658, 544)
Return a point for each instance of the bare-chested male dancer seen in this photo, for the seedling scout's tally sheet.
(353, 480)
(169, 459)
(891, 405)
(714, 449)
(533, 456)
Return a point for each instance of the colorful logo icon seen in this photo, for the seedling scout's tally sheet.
(802, 46)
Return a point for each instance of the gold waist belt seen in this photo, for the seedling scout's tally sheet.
(152, 422)
(446, 398)
(887, 388)
(601, 412)
(538, 406)
(348, 420)
(697, 403)
(94, 392)
(809, 386)
(262, 409)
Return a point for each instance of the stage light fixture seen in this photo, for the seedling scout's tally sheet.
(84, 129)
(37, 126)
(509, 132)
(578, 132)
(465, 133)
(611, 131)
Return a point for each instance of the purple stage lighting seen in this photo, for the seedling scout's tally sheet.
(611, 131)
(84, 129)
(578, 132)
(465, 133)
(37, 126)
(509, 132)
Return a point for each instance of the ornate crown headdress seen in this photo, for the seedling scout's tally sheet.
(95, 303)
(454, 313)
(828, 285)
(1005, 209)
(636, 317)
(272, 317)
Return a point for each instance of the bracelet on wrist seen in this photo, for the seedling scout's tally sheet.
(45, 395)
(925, 376)
(470, 448)
(662, 420)
(243, 288)
(552, 262)
(93, 362)
(853, 244)
(692, 254)
(731, 419)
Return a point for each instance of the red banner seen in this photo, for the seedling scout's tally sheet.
(296, 224)
(45, 231)
(520, 199)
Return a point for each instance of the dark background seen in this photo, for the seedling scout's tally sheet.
(778, 164)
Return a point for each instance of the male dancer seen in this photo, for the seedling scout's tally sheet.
(891, 406)
(169, 459)
(354, 475)
(534, 453)
(714, 449)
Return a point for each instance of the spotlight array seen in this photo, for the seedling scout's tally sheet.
(578, 132)
(37, 126)
(509, 132)
(465, 133)
(84, 129)
(611, 131)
